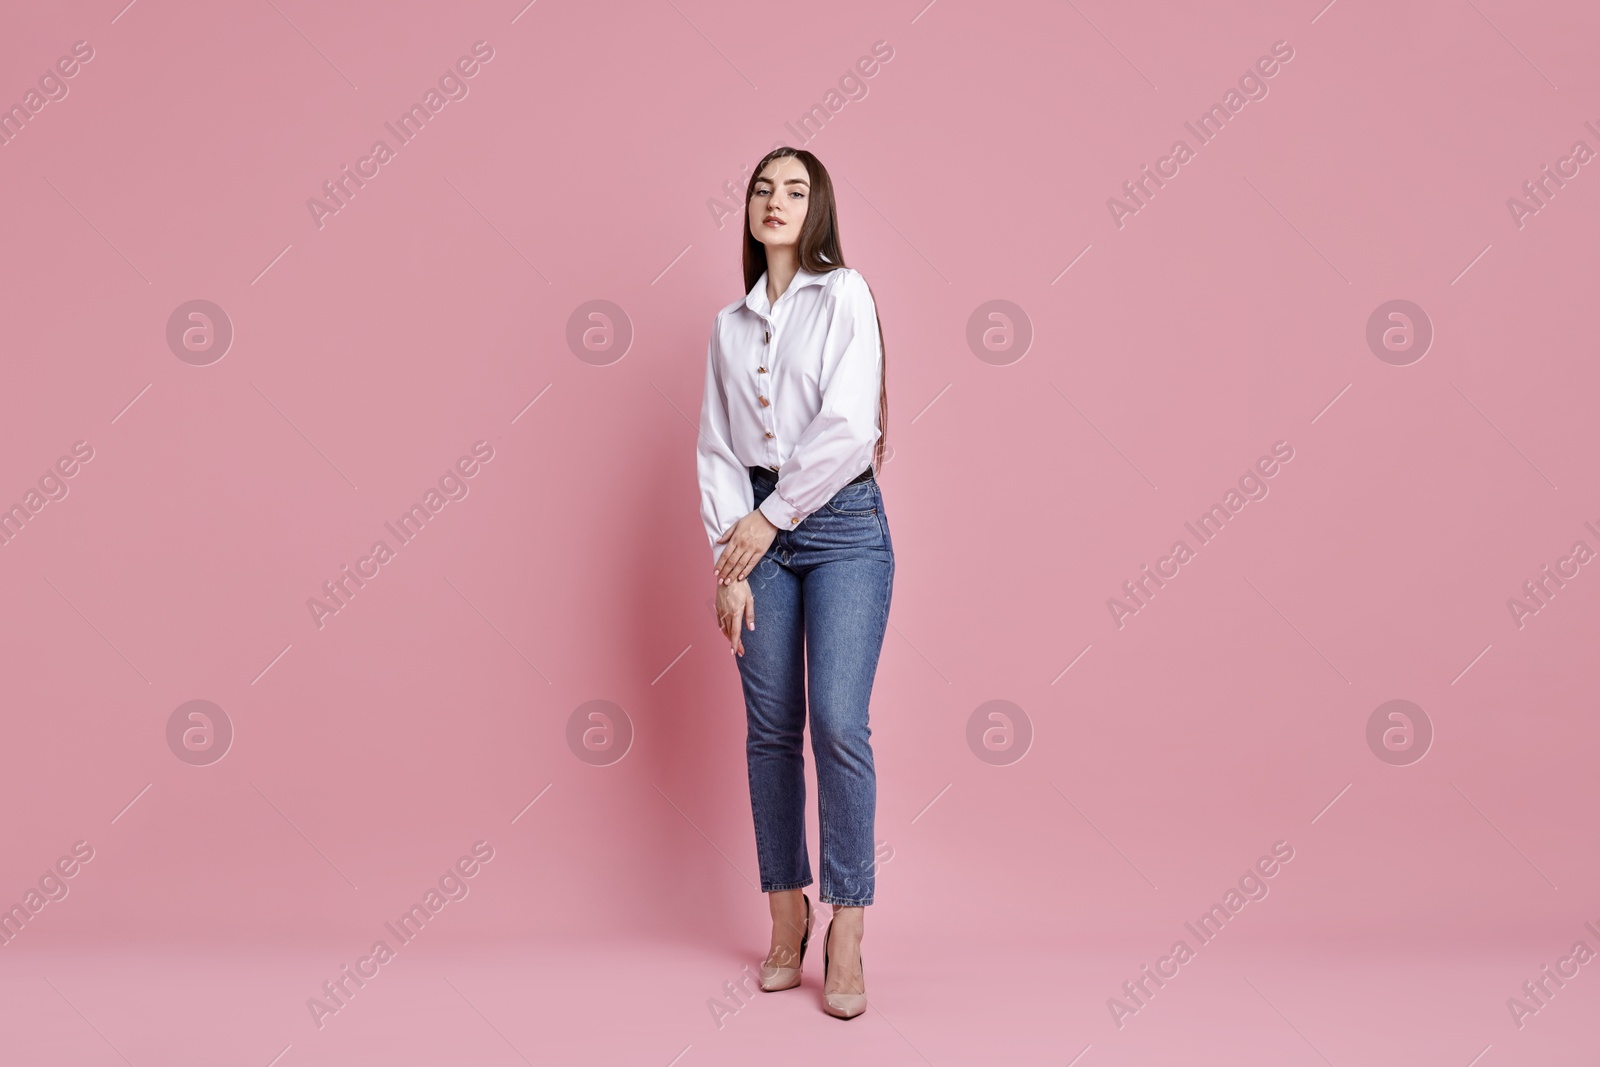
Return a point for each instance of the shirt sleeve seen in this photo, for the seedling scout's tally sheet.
(726, 495)
(837, 445)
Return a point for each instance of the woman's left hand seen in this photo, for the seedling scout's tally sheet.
(747, 542)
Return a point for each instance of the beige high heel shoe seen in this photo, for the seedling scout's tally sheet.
(775, 979)
(841, 1005)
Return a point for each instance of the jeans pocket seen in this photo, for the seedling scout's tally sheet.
(832, 530)
(858, 499)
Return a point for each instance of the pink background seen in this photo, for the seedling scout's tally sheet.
(368, 355)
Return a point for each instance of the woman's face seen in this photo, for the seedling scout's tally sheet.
(778, 202)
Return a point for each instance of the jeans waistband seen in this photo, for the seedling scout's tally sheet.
(771, 472)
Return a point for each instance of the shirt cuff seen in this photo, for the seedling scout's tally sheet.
(780, 512)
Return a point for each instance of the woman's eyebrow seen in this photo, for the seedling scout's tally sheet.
(787, 181)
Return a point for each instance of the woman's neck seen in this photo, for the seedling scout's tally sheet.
(781, 269)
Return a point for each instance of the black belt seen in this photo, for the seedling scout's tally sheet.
(863, 476)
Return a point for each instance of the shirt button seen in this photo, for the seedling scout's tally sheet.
(763, 370)
(770, 434)
(769, 338)
(794, 520)
(765, 402)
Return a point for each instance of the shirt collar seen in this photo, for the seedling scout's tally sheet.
(756, 300)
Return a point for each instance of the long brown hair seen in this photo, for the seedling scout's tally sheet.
(819, 253)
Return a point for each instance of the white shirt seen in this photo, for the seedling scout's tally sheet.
(794, 386)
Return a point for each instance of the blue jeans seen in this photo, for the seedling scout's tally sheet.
(821, 608)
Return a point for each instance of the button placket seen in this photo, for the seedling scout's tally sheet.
(762, 397)
(762, 370)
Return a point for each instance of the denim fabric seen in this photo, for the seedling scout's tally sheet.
(821, 608)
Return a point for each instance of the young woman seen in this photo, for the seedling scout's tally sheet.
(791, 439)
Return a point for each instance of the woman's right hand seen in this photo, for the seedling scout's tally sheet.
(735, 604)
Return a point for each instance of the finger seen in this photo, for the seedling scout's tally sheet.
(749, 566)
(732, 559)
(750, 612)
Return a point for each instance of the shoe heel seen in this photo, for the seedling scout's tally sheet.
(841, 1005)
(776, 979)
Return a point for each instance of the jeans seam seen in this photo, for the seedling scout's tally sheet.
(754, 805)
(822, 819)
